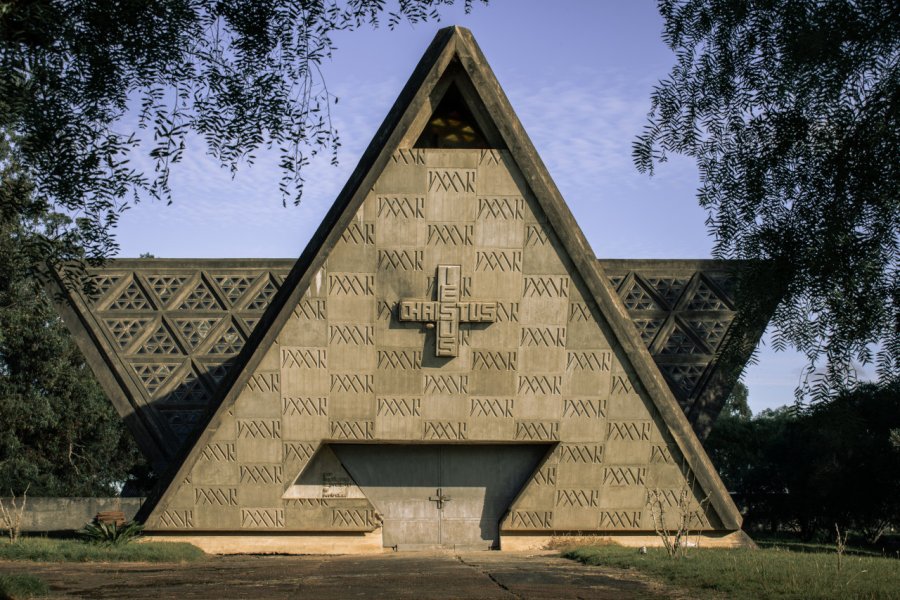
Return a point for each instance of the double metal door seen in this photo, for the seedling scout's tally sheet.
(444, 496)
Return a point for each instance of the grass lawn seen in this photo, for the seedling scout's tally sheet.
(14, 587)
(68, 550)
(750, 574)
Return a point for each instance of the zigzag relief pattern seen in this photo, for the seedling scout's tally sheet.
(445, 430)
(446, 384)
(298, 451)
(537, 430)
(311, 310)
(668, 498)
(577, 498)
(399, 407)
(260, 429)
(620, 385)
(352, 430)
(502, 261)
(491, 407)
(304, 358)
(262, 518)
(507, 312)
(621, 519)
(622, 476)
(587, 408)
(545, 476)
(661, 454)
(264, 474)
(589, 361)
(535, 236)
(540, 384)
(305, 502)
(216, 496)
(353, 335)
(591, 454)
(305, 406)
(460, 181)
(548, 337)
(484, 360)
(264, 382)
(546, 286)
(352, 382)
(400, 260)
(354, 517)
(450, 235)
(579, 312)
(385, 309)
(177, 519)
(219, 452)
(359, 234)
(411, 156)
(401, 206)
(490, 157)
(351, 284)
(629, 430)
(399, 359)
(501, 207)
(531, 519)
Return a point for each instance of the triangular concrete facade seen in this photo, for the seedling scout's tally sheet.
(553, 361)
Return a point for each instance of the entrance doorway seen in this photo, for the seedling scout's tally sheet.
(440, 496)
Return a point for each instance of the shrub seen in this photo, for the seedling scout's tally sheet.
(110, 533)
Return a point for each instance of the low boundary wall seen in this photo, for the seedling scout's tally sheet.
(68, 514)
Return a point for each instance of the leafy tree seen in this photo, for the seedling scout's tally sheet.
(60, 434)
(242, 74)
(736, 404)
(809, 469)
(792, 112)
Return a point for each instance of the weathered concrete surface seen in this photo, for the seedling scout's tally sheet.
(482, 575)
(68, 514)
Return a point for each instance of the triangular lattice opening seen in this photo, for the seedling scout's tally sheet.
(452, 125)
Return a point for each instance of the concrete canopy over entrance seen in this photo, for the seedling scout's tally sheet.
(447, 323)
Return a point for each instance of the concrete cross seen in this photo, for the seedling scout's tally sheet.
(448, 312)
(440, 498)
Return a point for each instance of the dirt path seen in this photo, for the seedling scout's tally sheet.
(485, 575)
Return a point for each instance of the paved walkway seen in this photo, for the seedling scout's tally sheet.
(483, 575)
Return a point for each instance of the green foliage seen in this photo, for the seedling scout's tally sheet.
(22, 585)
(60, 434)
(240, 74)
(59, 550)
(112, 534)
(737, 404)
(833, 463)
(752, 574)
(792, 112)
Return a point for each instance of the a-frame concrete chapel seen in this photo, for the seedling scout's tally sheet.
(446, 365)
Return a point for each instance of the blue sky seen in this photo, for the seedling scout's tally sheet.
(578, 74)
